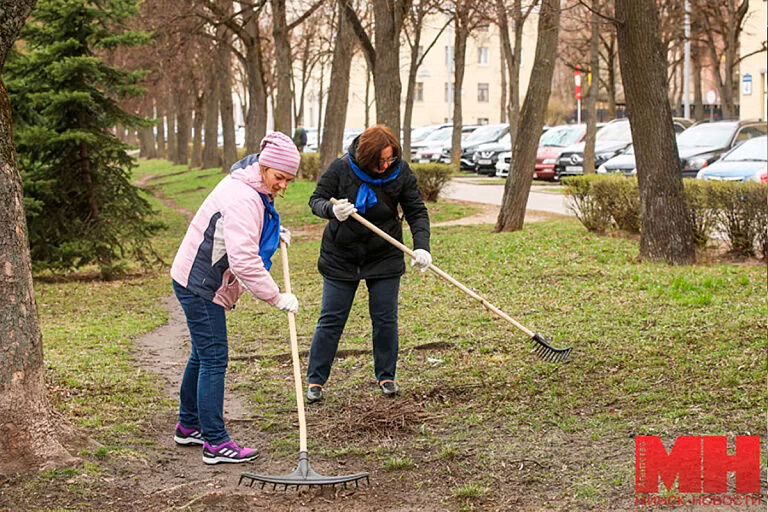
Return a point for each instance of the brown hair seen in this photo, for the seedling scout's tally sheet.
(372, 142)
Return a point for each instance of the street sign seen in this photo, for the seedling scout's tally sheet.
(711, 97)
(746, 84)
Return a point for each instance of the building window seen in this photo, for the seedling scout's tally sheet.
(482, 93)
(419, 92)
(482, 120)
(448, 92)
(483, 56)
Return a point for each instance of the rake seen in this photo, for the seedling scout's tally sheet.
(303, 475)
(541, 346)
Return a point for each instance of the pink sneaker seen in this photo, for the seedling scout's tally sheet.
(227, 452)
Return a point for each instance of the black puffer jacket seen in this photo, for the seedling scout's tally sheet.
(349, 250)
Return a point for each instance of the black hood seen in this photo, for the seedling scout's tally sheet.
(352, 153)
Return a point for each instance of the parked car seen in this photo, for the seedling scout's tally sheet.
(551, 143)
(422, 132)
(623, 163)
(349, 136)
(611, 139)
(702, 144)
(313, 140)
(483, 135)
(437, 147)
(239, 137)
(487, 155)
(746, 162)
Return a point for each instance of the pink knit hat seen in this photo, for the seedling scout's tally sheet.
(279, 152)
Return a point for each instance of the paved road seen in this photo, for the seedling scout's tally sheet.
(467, 189)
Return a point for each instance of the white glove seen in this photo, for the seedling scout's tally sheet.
(285, 236)
(343, 209)
(422, 260)
(288, 302)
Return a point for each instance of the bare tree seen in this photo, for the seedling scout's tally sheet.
(518, 185)
(417, 15)
(384, 57)
(338, 95)
(467, 15)
(518, 14)
(722, 23)
(594, 73)
(30, 435)
(666, 231)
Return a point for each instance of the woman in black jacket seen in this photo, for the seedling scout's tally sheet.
(373, 181)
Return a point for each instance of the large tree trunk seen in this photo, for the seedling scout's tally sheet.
(183, 128)
(256, 118)
(284, 66)
(666, 231)
(338, 95)
(28, 432)
(698, 96)
(386, 72)
(171, 129)
(459, 60)
(146, 134)
(514, 76)
(594, 49)
(160, 130)
(518, 185)
(211, 129)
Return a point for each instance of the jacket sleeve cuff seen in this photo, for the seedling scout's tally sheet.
(274, 300)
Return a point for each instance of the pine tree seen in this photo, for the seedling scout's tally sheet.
(80, 205)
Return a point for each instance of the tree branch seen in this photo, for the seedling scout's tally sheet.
(307, 14)
(606, 18)
(357, 27)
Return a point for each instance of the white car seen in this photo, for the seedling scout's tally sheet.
(502, 164)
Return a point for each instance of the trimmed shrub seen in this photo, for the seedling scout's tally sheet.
(742, 214)
(702, 213)
(309, 168)
(620, 198)
(432, 179)
(584, 204)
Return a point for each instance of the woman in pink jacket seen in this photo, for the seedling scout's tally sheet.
(226, 251)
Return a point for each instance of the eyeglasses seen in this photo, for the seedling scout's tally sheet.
(387, 161)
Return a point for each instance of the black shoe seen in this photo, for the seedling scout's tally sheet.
(314, 394)
(389, 388)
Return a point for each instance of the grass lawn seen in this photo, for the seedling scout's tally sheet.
(481, 424)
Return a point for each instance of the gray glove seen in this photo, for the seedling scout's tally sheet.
(343, 209)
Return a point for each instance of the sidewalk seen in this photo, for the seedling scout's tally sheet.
(468, 189)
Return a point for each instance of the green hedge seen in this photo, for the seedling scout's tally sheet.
(733, 211)
(432, 179)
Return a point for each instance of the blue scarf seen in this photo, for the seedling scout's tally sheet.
(270, 231)
(366, 197)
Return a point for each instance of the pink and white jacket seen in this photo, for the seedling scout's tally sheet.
(219, 256)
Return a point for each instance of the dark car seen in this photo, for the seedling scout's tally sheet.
(483, 135)
(486, 155)
(610, 140)
(702, 144)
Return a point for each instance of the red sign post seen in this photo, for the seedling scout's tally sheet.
(577, 81)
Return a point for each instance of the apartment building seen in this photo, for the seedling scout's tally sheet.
(433, 100)
(752, 70)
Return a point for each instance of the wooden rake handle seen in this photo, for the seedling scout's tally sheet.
(439, 272)
(295, 353)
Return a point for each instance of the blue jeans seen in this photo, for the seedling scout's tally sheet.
(334, 311)
(201, 398)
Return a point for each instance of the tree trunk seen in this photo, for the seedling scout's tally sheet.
(518, 185)
(197, 132)
(338, 94)
(256, 118)
(698, 97)
(514, 76)
(211, 119)
(594, 49)
(410, 92)
(29, 433)
(160, 133)
(386, 72)
(503, 81)
(183, 129)
(171, 129)
(459, 60)
(666, 231)
(224, 77)
(284, 67)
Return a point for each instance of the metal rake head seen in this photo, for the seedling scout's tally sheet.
(303, 476)
(547, 352)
